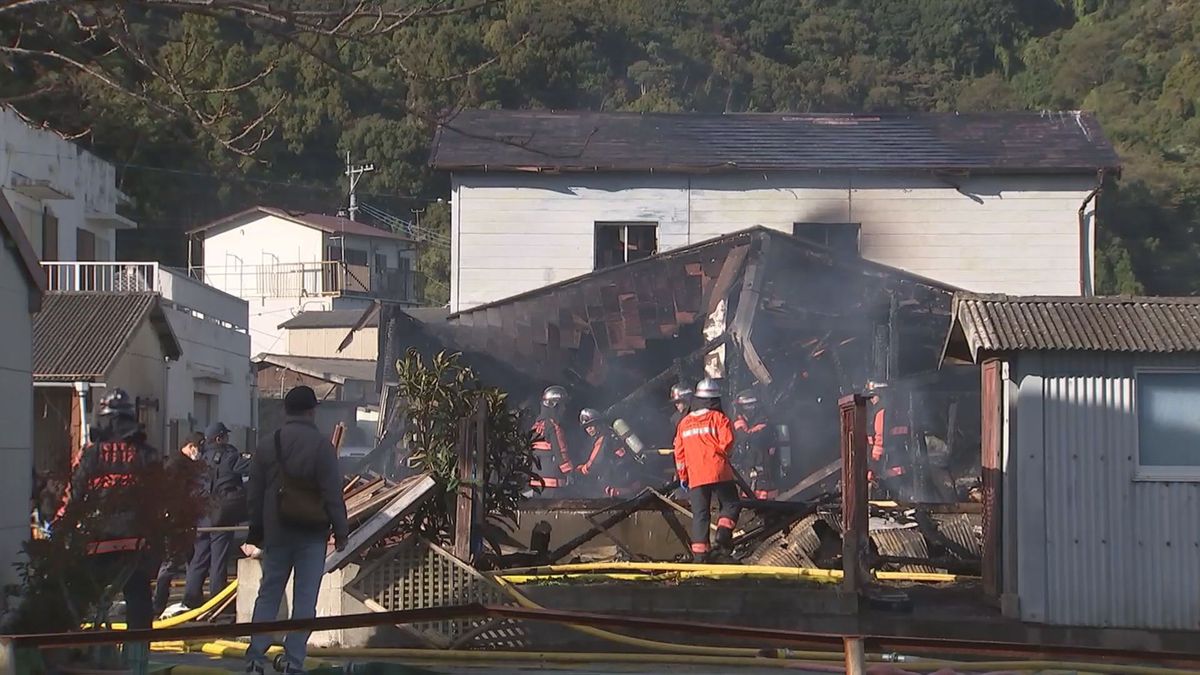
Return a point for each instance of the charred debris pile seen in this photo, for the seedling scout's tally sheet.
(798, 324)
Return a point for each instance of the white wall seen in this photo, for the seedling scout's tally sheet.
(89, 181)
(16, 414)
(233, 262)
(215, 359)
(1019, 234)
(323, 342)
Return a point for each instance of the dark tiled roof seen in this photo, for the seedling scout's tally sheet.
(10, 230)
(80, 336)
(591, 141)
(330, 224)
(332, 370)
(1000, 323)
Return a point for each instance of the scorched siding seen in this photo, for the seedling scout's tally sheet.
(1006, 234)
(1095, 547)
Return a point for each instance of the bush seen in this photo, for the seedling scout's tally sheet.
(438, 398)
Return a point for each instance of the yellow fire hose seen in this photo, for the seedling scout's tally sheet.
(189, 615)
(232, 649)
(706, 571)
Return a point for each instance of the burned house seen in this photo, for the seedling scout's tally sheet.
(798, 322)
(998, 202)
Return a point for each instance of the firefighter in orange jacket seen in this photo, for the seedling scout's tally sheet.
(886, 466)
(550, 442)
(754, 433)
(703, 442)
(116, 460)
(609, 463)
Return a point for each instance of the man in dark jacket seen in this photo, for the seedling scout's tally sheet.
(299, 452)
(225, 469)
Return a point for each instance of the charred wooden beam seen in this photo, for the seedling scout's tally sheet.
(665, 377)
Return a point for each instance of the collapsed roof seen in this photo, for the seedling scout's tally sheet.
(781, 302)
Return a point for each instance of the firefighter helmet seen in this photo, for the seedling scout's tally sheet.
(746, 398)
(553, 395)
(708, 388)
(876, 387)
(680, 393)
(588, 416)
(116, 403)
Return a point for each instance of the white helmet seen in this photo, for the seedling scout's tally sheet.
(708, 388)
(680, 392)
(553, 395)
(588, 416)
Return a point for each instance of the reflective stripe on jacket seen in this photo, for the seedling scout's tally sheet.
(702, 444)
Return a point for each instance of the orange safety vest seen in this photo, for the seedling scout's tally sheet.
(544, 445)
(877, 438)
(703, 441)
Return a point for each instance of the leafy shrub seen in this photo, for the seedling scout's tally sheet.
(440, 399)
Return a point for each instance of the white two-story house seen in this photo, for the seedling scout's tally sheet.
(66, 199)
(64, 196)
(283, 263)
(988, 202)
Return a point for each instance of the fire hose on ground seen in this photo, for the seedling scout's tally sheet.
(666, 652)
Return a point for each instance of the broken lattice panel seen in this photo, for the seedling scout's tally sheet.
(417, 575)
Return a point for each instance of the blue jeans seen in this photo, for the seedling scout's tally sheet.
(306, 558)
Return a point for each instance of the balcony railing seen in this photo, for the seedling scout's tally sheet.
(102, 277)
(182, 293)
(298, 280)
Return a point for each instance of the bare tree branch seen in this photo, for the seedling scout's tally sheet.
(99, 42)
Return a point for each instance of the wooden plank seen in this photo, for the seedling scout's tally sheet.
(463, 508)
(382, 522)
(729, 273)
(990, 463)
(812, 479)
(853, 410)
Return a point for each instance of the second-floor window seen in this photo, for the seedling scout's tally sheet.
(350, 256)
(619, 243)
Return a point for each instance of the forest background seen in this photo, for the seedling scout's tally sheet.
(220, 111)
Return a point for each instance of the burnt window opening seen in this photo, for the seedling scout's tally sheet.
(619, 243)
(842, 238)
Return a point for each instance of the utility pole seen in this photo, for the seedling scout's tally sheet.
(355, 173)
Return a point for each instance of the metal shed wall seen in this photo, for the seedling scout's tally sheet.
(1093, 545)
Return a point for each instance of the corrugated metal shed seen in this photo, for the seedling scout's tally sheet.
(1000, 323)
(613, 141)
(80, 336)
(1095, 545)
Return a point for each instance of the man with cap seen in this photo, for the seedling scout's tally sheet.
(295, 501)
(703, 442)
(225, 471)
